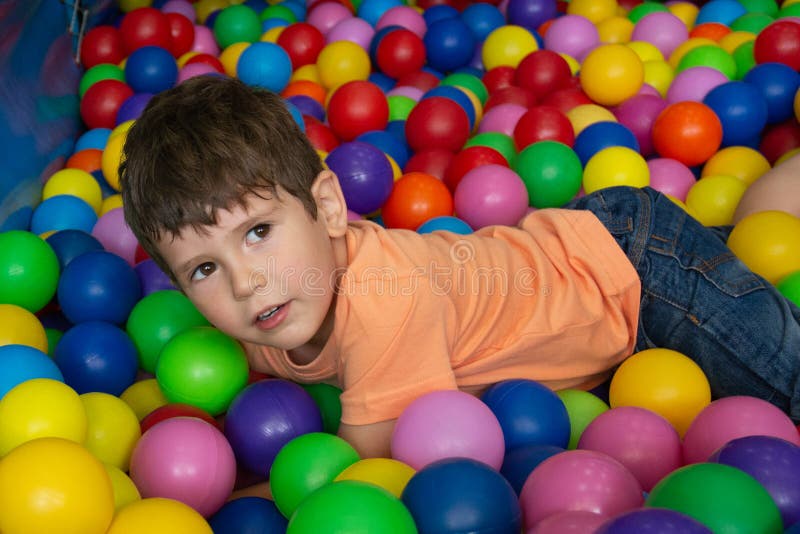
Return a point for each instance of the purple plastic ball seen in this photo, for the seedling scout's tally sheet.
(573, 35)
(365, 175)
(151, 277)
(671, 177)
(530, 13)
(132, 108)
(662, 29)
(694, 84)
(639, 113)
(653, 521)
(353, 29)
(491, 194)
(308, 106)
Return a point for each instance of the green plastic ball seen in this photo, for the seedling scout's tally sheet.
(551, 171)
(499, 141)
(305, 464)
(399, 107)
(582, 408)
(792, 10)
(789, 286)
(723, 498)
(751, 22)
(473, 83)
(237, 24)
(709, 56)
(53, 337)
(156, 319)
(330, 406)
(278, 11)
(351, 506)
(104, 71)
(769, 7)
(28, 270)
(203, 367)
(744, 58)
(640, 11)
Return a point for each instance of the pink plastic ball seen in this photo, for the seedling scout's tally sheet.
(204, 41)
(326, 15)
(353, 29)
(641, 440)
(414, 93)
(491, 194)
(694, 84)
(353, 216)
(191, 70)
(181, 7)
(116, 236)
(404, 16)
(734, 417)
(662, 29)
(639, 113)
(579, 480)
(671, 177)
(575, 522)
(446, 424)
(502, 118)
(573, 35)
(186, 459)
(647, 89)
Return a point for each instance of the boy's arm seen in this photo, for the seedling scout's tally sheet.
(777, 189)
(371, 441)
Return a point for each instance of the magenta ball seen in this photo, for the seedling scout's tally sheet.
(326, 15)
(353, 216)
(491, 194)
(353, 29)
(194, 69)
(414, 93)
(185, 459)
(694, 84)
(502, 118)
(573, 35)
(204, 41)
(662, 29)
(116, 236)
(647, 89)
(405, 17)
(446, 424)
(639, 113)
(734, 417)
(181, 7)
(568, 522)
(670, 177)
(579, 480)
(643, 441)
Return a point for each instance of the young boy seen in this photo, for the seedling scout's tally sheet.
(224, 191)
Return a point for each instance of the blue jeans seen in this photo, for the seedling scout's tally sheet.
(702, 301)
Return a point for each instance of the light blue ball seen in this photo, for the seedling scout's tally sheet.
(266, 65)
(19, 363)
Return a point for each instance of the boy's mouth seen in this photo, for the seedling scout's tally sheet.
(269, 313)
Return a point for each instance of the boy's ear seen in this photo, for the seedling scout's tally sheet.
(330, 202)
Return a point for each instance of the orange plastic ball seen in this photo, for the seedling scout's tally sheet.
(687, 131)
(306, 88)
(89, 160)
(415, 198)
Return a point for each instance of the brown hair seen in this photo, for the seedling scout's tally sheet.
(203, 146)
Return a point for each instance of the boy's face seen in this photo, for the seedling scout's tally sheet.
(266, 272)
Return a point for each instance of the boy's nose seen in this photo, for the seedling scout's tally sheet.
(246, 280)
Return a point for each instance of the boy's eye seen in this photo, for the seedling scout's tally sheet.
(203, 270)
(257, 233)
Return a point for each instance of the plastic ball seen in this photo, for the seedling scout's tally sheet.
(158, 515)
(542, 72)
(151, 69)
(434, 162)
(483, 202)
(654, 520)
(389, 474)
(779, 43)
(63, 212)
(302, 42)
(19, 363)
(585, 115)
(662, 29)
(355, 108)
(101, 44)
(572, 35)
(745, 163)
(779, 139)
(689, 132)
(713, 199)
(551, 171)
(543, 123)
(237, 24)
(719, 496)
(145, 26)
(112, 156)
(143, 397)
(446, 223)
(54, 485)
(125, 491)
(469, 159)
(342, 61)
(502, 118)
(709, 55)
(264, 65)
(579, 480)
(404, 16)
(741, 110)
(614, 166)
(364, 173)
(611, 74)
(768, 242)
(101, 102)
(507, 46)
(444, 424)
(462, 495)
(98, 286)
(29, 270)
(352, 29)
(115, 235)
(74, 182)
(483, 18)
(169, 411)
(663, 381)
(600, 135)
(152, 278)
(530, 13)
(437, 122)
(670, 177)
(789, 287)
(582, 407)
(248, 514)
(112, 430)
(203, 367)
(694, 84)
(40, 408)
(449, 44)
(778, 84)
(264, 417)
(18, 326)
(519, 463)
(415, 198)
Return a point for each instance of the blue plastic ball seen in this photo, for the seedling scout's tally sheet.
(777, 83)
(531, 14)
(449, 44)
(652, 521)
(389, 144)
(447, 223)
(482, 19)
(365, 175)
(69, 244)
(439, 12)
(98, 286)
(151, 69)
(298, 7)
(63, 212)
(529, 413)
(296, 115)
(248, 515)
(600, 135)
(308, 106)
(19, 363)
(97, 356)
(457, 495)
(371, 10)
(741, 109)
(95, 138)
(268, 24)
(520, 462)
(383, 81)
(266, 65)
(721, 11)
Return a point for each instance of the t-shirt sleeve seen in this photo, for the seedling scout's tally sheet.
(396, 349)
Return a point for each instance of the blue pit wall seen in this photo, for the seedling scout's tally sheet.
(39, 105)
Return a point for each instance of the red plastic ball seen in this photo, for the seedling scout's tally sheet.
(468, 159)
(511, 95)
(437, 122)
(543, 123)
(145, 26)
(140, 255)
(208, 59)
(102, 101)
(779, 43)
(357, 107)
(424, 81)
(543, 72)
(102, 44)
(499, 78)
(302, 42)
(320, 136)
(168, 411)
(415, 198)
(181, 32)
(460, 5)
(399, 53)
(433, 162)
(566, 99)
(779, 139)
(687, 131)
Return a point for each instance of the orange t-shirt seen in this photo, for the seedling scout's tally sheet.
(555, 300)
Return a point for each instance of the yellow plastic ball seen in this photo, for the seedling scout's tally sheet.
(733, 40)
(112, 430)
(646, 51)
(77, 183)
(685, 47)
(143, 397)
(680, 203)
(111, 202)
(615, 165)
(157, 515)
(713, 199)
(40, 408)
(391, 475)
(18, 326)
(594, 10)
(112, 157)
(54, 486)
(230, 57)
(663, 381)
(587, 114)
(341, 62)
(507, 46)
(745, 163)
(611, 74)
(768, 242)
(659, 74)
(126, 6)
(272, 34)
(184, 58)
(121, 128)
(125, 491)
(309, 73)
(616, 29)
(686, 11)
(574, 65)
